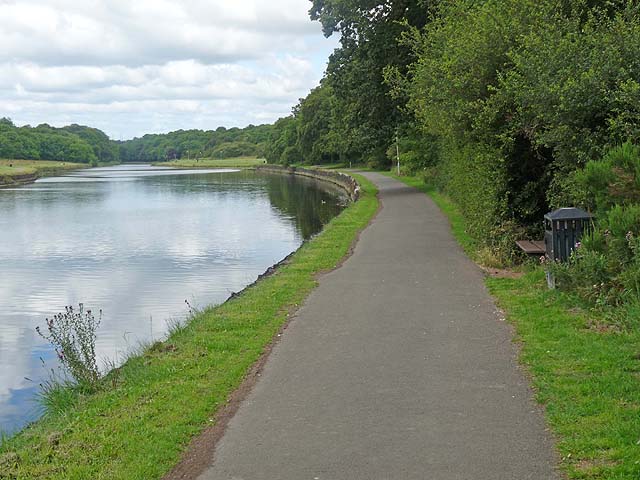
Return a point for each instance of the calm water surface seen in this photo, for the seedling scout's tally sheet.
(135, 241)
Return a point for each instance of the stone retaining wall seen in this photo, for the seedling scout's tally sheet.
(346, 182)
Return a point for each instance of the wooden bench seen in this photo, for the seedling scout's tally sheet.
(535, 247)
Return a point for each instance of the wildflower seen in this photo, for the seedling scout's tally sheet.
(73, 336)
(578, 245)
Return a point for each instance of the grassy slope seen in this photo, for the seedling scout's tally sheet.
(588, 378)
(31, 167)
(213, 162)
(163, 398)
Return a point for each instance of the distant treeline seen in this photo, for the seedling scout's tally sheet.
(219, 143)
(76, 143)
(73, 143)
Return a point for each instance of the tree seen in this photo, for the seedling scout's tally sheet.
(367, 115)
(314, 116)
(282, 145)
(74, 143)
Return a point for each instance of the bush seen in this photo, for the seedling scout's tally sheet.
(471, 175)
(614, 180)
(586, 273)
(417, 153)
(378, 160)
(605, 269)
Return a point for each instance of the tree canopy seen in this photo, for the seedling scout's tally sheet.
(74, 143)
(219, 143)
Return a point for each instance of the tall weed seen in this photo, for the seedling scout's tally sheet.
(72, 333)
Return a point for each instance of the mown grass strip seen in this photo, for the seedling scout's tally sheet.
(586, 374)
(160, 400)
(14, 171)
(236, 162)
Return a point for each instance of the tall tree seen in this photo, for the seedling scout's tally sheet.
(367, 114)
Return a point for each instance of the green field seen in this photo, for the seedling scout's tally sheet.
(12, 171)
(237, 162)
(585, 371)
(138, 426)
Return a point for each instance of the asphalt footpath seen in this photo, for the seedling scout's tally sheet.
(398, 366)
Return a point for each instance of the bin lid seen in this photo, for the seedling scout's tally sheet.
(568, 213)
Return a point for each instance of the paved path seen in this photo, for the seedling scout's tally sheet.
(397, 367)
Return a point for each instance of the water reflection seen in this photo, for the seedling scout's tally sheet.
(135, 241)
(307, 206)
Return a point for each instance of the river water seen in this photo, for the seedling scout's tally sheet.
(135, 241)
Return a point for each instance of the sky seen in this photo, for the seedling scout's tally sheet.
(131, 67)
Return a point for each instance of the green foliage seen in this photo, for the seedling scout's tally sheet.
(572, 82)
(220, 143)
(586, 273)
(282, 145)
(235, 149)
(314, 117)
(105, 150)
(454, 86)
(614, 180)
(354, 114)
(417, 153)
(520, 94)
(606, 268)
(74, 143)
(475, 178)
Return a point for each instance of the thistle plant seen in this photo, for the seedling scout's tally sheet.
(73, 336)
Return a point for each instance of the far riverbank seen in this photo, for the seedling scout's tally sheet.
(235, 162)
(20, 172)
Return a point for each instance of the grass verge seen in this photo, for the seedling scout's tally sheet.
(586, 374)
(17, 171)
(139, 427)
(237, 162)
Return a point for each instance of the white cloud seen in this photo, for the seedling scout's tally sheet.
(135, 67)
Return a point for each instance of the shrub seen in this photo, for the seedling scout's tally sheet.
(586, 273)
(613, 180)
(606, 268)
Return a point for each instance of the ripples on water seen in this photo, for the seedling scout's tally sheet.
(135, 241)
